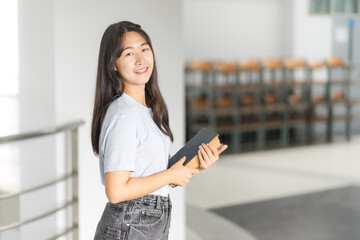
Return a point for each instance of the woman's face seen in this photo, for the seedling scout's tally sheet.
(136, 61)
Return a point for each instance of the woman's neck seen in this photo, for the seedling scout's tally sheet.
(138, 94)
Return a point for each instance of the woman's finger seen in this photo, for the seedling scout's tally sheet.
(213, 150)
(209, 157)
(202, 162)
(208, 150)
(205, 155)
(222, 148)
(210, 154)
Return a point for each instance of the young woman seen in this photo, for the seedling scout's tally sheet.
(131, 136)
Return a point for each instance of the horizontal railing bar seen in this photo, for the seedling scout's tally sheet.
(70, 229)
(41, 132)
(9, 96)
(10, 195)
(19, 224)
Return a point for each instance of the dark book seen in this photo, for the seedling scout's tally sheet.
(190, 149)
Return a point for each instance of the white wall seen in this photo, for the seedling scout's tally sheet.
(312, 34)
(287, 25)
(78, 27)
(36, 64)
(230, 30)
(242, 29)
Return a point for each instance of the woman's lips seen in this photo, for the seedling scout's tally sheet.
(142, 70)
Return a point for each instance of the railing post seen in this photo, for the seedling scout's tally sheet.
(74, 164)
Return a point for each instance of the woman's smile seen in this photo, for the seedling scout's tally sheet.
(142, 70)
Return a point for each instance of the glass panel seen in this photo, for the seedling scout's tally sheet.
(346, 6)
(319, 6)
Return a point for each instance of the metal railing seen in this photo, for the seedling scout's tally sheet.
(72, 128)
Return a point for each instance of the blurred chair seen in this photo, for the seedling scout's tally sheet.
(312, 97)
(271, 117)
(248, 79)
(273, 67)
(338, 76)
(290, 84)
(250, 98)
(198, 70)
(198, 78)
(224, 82)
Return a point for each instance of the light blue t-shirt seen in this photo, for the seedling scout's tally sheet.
(131, 141)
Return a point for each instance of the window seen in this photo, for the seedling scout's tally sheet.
(346, 6)
(333, 6)
(319, 6)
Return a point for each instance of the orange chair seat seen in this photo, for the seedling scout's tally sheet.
(270, 98)
(294, 98)
(317, 99)
(247, 100)
(198, 103)
(336, 96)
(223, 101)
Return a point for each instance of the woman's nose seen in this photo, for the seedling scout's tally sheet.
(139, 59)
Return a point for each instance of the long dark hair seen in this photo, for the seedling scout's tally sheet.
(109, 85)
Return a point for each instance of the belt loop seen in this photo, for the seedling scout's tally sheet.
(130, 206)
(158, 201)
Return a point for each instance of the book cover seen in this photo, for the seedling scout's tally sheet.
(190, 149)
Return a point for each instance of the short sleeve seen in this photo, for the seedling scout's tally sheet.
(121, 144)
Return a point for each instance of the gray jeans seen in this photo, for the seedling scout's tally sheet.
(147, 217)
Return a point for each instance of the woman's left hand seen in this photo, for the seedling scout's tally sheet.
(208, 155)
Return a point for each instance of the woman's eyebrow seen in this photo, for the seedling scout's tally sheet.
(130, 47)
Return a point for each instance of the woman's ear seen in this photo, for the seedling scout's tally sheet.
(115, 69)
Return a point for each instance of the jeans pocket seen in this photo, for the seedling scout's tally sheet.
(150, 217)
(112, 233)
(152, 226)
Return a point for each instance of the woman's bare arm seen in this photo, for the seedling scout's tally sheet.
(119, 186)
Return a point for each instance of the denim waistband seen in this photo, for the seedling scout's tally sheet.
(150, 199)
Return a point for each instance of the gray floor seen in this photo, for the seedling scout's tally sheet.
(327, 215)
(299, 193)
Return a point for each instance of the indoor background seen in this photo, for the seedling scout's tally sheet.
(48, 64)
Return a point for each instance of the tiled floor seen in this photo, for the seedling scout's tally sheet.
(257, 177)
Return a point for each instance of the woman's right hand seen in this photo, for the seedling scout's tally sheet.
(180, 175)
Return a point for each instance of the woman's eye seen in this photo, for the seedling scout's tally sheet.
(129, 54)
(146, 49)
